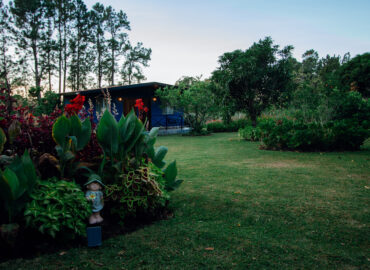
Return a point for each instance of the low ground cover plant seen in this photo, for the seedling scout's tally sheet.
(58, 208)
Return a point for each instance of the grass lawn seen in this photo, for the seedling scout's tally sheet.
(244, 208)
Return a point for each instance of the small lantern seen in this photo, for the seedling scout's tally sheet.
(154, 99)
(120, 99)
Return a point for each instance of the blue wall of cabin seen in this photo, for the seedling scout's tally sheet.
(157, 117)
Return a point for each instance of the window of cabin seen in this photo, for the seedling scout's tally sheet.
(167, 110)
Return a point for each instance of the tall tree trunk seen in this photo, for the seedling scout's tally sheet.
(36, 66)
(112, 79)
(99, 62)
(65, 55)
(78, 62)
(7, 84)
(60, 52)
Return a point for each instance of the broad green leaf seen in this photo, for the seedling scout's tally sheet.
(14, 130)
(24, 169)
(61, 129)
(75, 125)
(128, 127)
(9, 184)
(2, 139)
(159, 156)
(29, 169)
(84, 137)
(107, 133)
(154, 132)
(170, 172)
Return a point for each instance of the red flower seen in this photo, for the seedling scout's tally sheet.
(139, 104)
(146, 109)
(75, 106)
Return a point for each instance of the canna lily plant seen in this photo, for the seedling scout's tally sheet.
(125, 144)
(70, 133)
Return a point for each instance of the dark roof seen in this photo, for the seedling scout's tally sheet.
(112, 89)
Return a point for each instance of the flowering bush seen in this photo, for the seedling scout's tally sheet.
(27, 131)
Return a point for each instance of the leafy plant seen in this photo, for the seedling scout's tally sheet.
(194, 98)
(58, 207)
(170, 173)
(71, 136)
(232, 126)
(137, 191)
(16, 183)
(120, 140)
(2, 140)
(250, 133)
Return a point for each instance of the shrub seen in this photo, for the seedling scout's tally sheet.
(290, 134)
(58, 207)
(16, 183)
(346, 129)
(250, 133)
(234, 126)
(140, 190)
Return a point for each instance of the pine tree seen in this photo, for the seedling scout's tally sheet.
(80, 62)
(115, 24)
(99, 42)
(135, 57)
(30, 23)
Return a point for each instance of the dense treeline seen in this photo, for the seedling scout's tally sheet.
(313, 104)
(60, 44)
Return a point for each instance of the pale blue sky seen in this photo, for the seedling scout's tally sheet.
(187, 37)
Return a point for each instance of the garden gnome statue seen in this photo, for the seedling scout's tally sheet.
(95, 196)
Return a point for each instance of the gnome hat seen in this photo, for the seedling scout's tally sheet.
(94, 178)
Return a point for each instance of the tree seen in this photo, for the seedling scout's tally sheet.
(355, 74)
(223, 98)
(98, 40)
(79, 50)
(49, 46)
(135, 57)
(30, 22)
(194, 98)
(256, 78)
(115, 23)
(6, 63)
(327, 70)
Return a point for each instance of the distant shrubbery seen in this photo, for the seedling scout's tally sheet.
(347, 129)
(219, 126)
(250, 133)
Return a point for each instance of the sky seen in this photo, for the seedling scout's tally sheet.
(188, 36)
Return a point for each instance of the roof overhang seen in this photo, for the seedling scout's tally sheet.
(151, 86)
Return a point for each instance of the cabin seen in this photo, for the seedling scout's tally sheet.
(124, 97)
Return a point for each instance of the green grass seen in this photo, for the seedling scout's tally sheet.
(244, 208)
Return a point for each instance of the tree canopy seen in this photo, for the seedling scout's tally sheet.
(63, 41)
(256, 77)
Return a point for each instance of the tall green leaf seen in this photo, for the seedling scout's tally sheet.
(170, 174)
(159, 156)
(2, 139)
(14, 130)
(84, 137)
(61, 129)
(9, 186)
(75, 125)
(107, 133)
